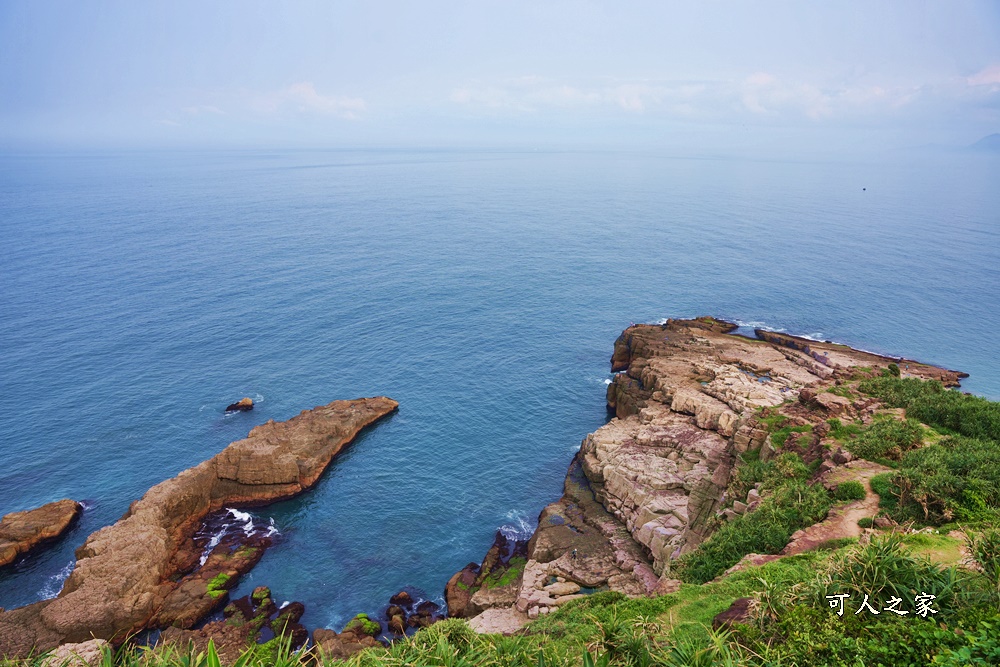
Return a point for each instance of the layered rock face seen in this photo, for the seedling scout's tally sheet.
(127, 573)
(21, 532)
(645, 487)
(686, 404)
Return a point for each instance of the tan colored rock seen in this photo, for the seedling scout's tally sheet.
(124, 572)
(21, 532)
(562, 588)
(502, 621)
(84, 654)
(340, 646)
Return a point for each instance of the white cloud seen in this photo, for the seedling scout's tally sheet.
(302, 97)
(760, 95)
(305, 97)
(988, 76)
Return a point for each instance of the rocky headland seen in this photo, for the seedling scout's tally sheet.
(148, 570)
(688, 398)
(23, 532)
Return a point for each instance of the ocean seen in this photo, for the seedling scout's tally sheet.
(144, 291)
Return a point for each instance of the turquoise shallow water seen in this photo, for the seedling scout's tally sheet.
(141, 293)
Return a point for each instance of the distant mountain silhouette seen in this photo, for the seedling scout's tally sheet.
(989, 143)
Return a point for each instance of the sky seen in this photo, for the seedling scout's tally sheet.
(690, 76)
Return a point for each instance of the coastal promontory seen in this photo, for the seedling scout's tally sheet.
(138, 572)
(688, 399)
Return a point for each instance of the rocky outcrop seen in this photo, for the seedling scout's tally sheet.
(22, 532)
(242, 405)
(128, 573)
(837, 356)
(739, 611)
(649, 486)
(242, 625)
(359, 633)
(84, 654)
(493, 583)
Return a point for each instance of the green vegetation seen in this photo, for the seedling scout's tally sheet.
(841, 390)
(841, 431)
(886, 438)
(217, 585)
(780, 437)
(788, 503)
(361, 624)
(515, 567)
(866, 522)
(852, 490)
(790, 622)
(954, 478)
(930, 403)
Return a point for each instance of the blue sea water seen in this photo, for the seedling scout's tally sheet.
(142, 292)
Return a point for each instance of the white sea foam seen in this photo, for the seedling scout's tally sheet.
(753, 324)
(607, 381)
(238, 515)
(55, 582)
(517, 526)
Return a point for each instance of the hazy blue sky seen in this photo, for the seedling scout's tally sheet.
(690, 76)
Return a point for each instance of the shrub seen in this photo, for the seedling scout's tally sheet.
(841, 431)
(984, 548)
(884, 568)
(928, 401)
(957, 478)
(866, 522)
(886, 438)
(852, 490)
(767, 529)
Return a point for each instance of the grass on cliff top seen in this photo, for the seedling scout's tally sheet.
(954, 478)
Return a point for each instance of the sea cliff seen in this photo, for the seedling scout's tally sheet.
(687, 400)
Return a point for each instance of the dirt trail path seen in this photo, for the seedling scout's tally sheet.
(842, 521)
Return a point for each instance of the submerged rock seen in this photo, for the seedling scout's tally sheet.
(22, 532)
(127, 572)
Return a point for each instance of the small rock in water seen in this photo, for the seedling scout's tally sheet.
(401, 598)
(242, 405)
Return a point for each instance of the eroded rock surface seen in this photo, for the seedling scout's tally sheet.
(127, 572)
(649, 486)
(22, 532)
(242, 625)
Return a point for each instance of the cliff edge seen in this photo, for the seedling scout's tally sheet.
(650, 485)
